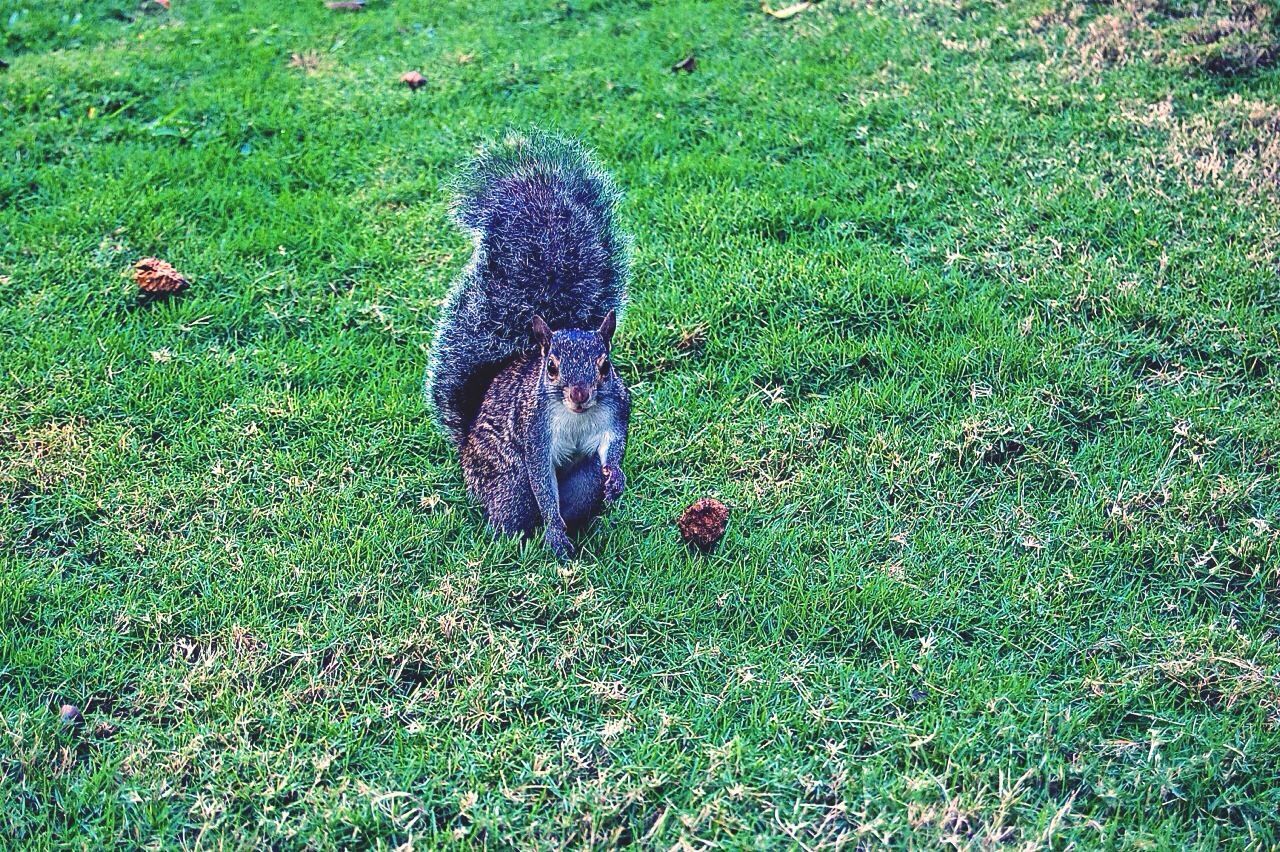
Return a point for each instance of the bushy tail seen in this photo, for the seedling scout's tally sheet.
(541, 212)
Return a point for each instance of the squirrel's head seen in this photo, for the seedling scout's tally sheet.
(575, 363)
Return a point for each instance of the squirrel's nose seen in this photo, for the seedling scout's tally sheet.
(579, 395)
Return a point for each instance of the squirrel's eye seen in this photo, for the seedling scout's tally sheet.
(553, 371)
(604, 367)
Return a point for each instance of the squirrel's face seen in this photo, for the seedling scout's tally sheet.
(575, 363)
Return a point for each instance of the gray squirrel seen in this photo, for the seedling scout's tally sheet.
(520, 376)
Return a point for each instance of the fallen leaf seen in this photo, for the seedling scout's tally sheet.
(787, 11)
(156, 277)
(345, 5)
(687, 65)
(413, 80)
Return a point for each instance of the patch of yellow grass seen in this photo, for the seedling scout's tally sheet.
(1233, 144)
(1224, 37)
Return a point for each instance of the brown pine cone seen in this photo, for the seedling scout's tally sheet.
(702, 525)
(156, 277)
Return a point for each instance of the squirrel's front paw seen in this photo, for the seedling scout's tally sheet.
(614, 482)
(558, 542)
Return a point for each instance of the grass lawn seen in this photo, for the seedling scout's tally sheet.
(967, 308)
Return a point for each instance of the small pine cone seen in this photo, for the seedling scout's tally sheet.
(156, 277)
(702, 525)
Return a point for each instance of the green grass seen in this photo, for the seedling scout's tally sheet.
(986, 369)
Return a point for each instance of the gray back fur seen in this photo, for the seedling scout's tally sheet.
(541, 214)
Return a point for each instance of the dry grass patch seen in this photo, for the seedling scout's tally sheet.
(1234, 144)
(309, 61)
(1222, 679)
(1221, 37)
(45, 455)
(1233, 38)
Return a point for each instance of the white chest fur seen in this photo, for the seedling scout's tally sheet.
(577, 435)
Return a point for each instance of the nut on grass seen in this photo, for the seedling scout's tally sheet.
(702, 525)
(71, 716)
(413, 80)
(157, 278)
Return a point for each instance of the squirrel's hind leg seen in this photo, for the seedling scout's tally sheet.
(510, 508)
(581, 492)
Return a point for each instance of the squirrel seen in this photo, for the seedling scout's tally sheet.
(520, 377)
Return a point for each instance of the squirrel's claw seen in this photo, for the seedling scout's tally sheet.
(558, 542)
(614, 482)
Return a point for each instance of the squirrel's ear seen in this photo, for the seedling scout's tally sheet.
(541, 332)
(607, 327)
